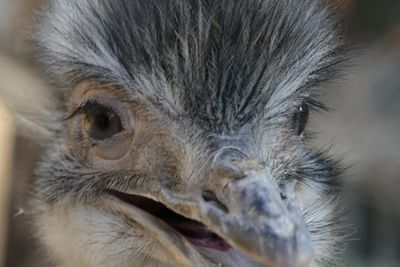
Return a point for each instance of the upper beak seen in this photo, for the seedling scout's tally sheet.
(241, 202)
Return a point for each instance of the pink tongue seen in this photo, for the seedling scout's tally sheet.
(200, 236)
(217, 244)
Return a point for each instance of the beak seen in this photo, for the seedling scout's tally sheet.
(241, 202)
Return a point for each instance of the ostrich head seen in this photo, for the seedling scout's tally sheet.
(180, 136)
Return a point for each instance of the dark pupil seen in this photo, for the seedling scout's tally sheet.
(300, 119)
(103, 123)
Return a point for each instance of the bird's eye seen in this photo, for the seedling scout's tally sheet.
(101, 122)
(300, 119)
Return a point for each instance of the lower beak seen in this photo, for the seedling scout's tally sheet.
(241, 203)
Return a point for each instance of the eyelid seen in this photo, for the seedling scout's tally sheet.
(82, 108)
(89, 105)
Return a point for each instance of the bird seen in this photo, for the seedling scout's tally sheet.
(179, 134)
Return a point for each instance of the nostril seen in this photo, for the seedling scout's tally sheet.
(210, 197)
(283, 196)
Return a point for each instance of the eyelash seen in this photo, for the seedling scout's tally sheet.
(85, 107)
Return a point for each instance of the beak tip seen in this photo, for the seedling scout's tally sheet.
(305, 260)
(300, 255)
(304, 257)
(306, 252)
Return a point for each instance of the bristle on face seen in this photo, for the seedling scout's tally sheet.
(189, 86)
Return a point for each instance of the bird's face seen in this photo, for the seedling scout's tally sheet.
(174, 151)
(138, 185)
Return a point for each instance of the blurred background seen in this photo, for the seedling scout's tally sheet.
(365, 127)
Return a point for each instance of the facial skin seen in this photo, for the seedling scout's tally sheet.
(182, 140)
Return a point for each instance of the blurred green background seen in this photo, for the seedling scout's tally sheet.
(365, 127)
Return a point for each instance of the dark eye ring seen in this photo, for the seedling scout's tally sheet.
(300, 119)
(101, 122)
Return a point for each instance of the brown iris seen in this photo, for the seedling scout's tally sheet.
(101, 122)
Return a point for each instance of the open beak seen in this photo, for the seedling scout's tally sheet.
(242, 205)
